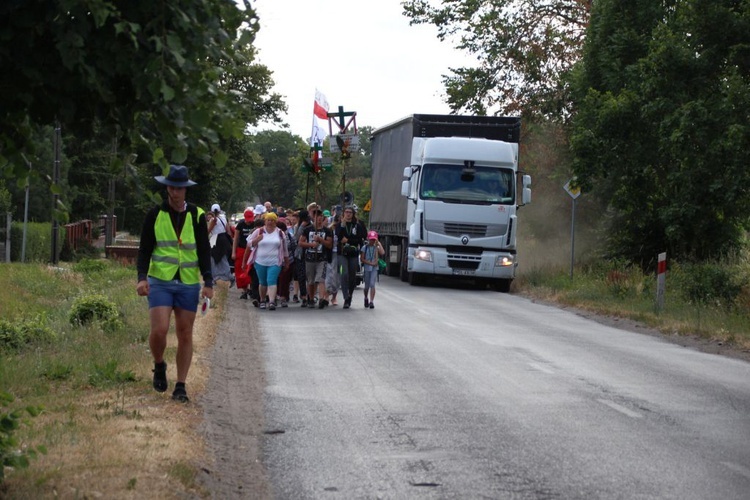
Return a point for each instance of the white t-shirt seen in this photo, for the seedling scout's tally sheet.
(219, 227)
(268, 249)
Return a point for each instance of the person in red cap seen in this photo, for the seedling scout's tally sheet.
(241, 232)
(370, 254)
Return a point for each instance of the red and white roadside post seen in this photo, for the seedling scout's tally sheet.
(661, 280)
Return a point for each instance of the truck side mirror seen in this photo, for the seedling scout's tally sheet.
(526, 193)
(407, 173)
(405, 188)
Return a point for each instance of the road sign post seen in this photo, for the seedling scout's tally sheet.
(661, 280)
(574, 192)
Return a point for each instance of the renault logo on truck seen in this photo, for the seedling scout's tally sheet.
(465, 239)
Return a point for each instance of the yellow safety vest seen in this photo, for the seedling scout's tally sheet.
(172, 253)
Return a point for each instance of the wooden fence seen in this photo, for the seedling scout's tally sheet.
(79, 233)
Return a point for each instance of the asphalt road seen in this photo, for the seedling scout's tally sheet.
(455, 393)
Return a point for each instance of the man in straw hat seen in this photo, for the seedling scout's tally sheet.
(174, 252)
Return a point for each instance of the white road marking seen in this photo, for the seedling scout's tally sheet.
(541, 368)
(620, 408)
(741, 469)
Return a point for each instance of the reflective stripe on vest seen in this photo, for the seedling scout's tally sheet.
(172, 253)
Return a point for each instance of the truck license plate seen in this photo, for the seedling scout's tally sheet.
(464, 272)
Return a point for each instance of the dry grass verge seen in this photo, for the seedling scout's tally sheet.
(126, 443)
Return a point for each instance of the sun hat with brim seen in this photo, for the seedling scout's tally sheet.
(259, 210)
(177, 177)
(271, 216)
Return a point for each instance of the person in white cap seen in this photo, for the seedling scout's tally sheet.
(221, 245)
(259, 210)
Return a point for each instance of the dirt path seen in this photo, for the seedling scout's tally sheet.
(233, 408)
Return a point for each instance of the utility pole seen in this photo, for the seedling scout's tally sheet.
(55, 196)
(109, 224)
(25, 216)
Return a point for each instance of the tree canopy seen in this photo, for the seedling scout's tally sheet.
(523, 49)
(662, 129)
(176, 77)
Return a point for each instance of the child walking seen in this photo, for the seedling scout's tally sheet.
(369, 256)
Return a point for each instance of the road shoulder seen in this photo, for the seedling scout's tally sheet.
(233, 407)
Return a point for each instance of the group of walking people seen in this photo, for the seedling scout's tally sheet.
(309, 254)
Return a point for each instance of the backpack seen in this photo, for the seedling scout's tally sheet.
(291, 244)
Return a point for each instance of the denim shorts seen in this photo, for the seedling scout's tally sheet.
(173, 293)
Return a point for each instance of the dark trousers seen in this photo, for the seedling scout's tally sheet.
(254, 291)
(299, 275)
(285, 279)
(349, 268)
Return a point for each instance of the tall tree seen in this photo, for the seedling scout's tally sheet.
(662, 128)
(523, 50)
(275, 180)
(149, 72)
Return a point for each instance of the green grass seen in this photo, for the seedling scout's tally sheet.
(708, 300)
(50, 361)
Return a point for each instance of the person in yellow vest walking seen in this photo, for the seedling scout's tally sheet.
(173, 255)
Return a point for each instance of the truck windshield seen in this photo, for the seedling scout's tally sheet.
(453, 183)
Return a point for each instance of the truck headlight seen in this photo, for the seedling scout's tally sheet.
(424, 255)
(503, 261)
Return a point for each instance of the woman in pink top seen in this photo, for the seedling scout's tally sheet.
(268, 255)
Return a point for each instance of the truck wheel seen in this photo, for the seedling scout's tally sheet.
(404, 270)
(502, 285)
(415, 279)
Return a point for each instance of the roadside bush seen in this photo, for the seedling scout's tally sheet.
(11, 453)
(108, 374)
(708, 283)
(87, 266)
(90, 308)
(38, 241)
(84, 250)
(621, 279)
(15, 336)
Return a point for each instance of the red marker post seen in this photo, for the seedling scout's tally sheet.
(661, 280)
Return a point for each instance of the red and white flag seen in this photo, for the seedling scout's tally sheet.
(320, 119)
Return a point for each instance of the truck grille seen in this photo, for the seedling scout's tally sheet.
(463, 261)
(472, 230)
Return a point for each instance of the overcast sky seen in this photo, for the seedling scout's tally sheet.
(362, 54)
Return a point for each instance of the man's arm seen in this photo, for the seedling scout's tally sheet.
(203, 248)
(236, 239)
(147, 244)
(328, 239)
(303, 240)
